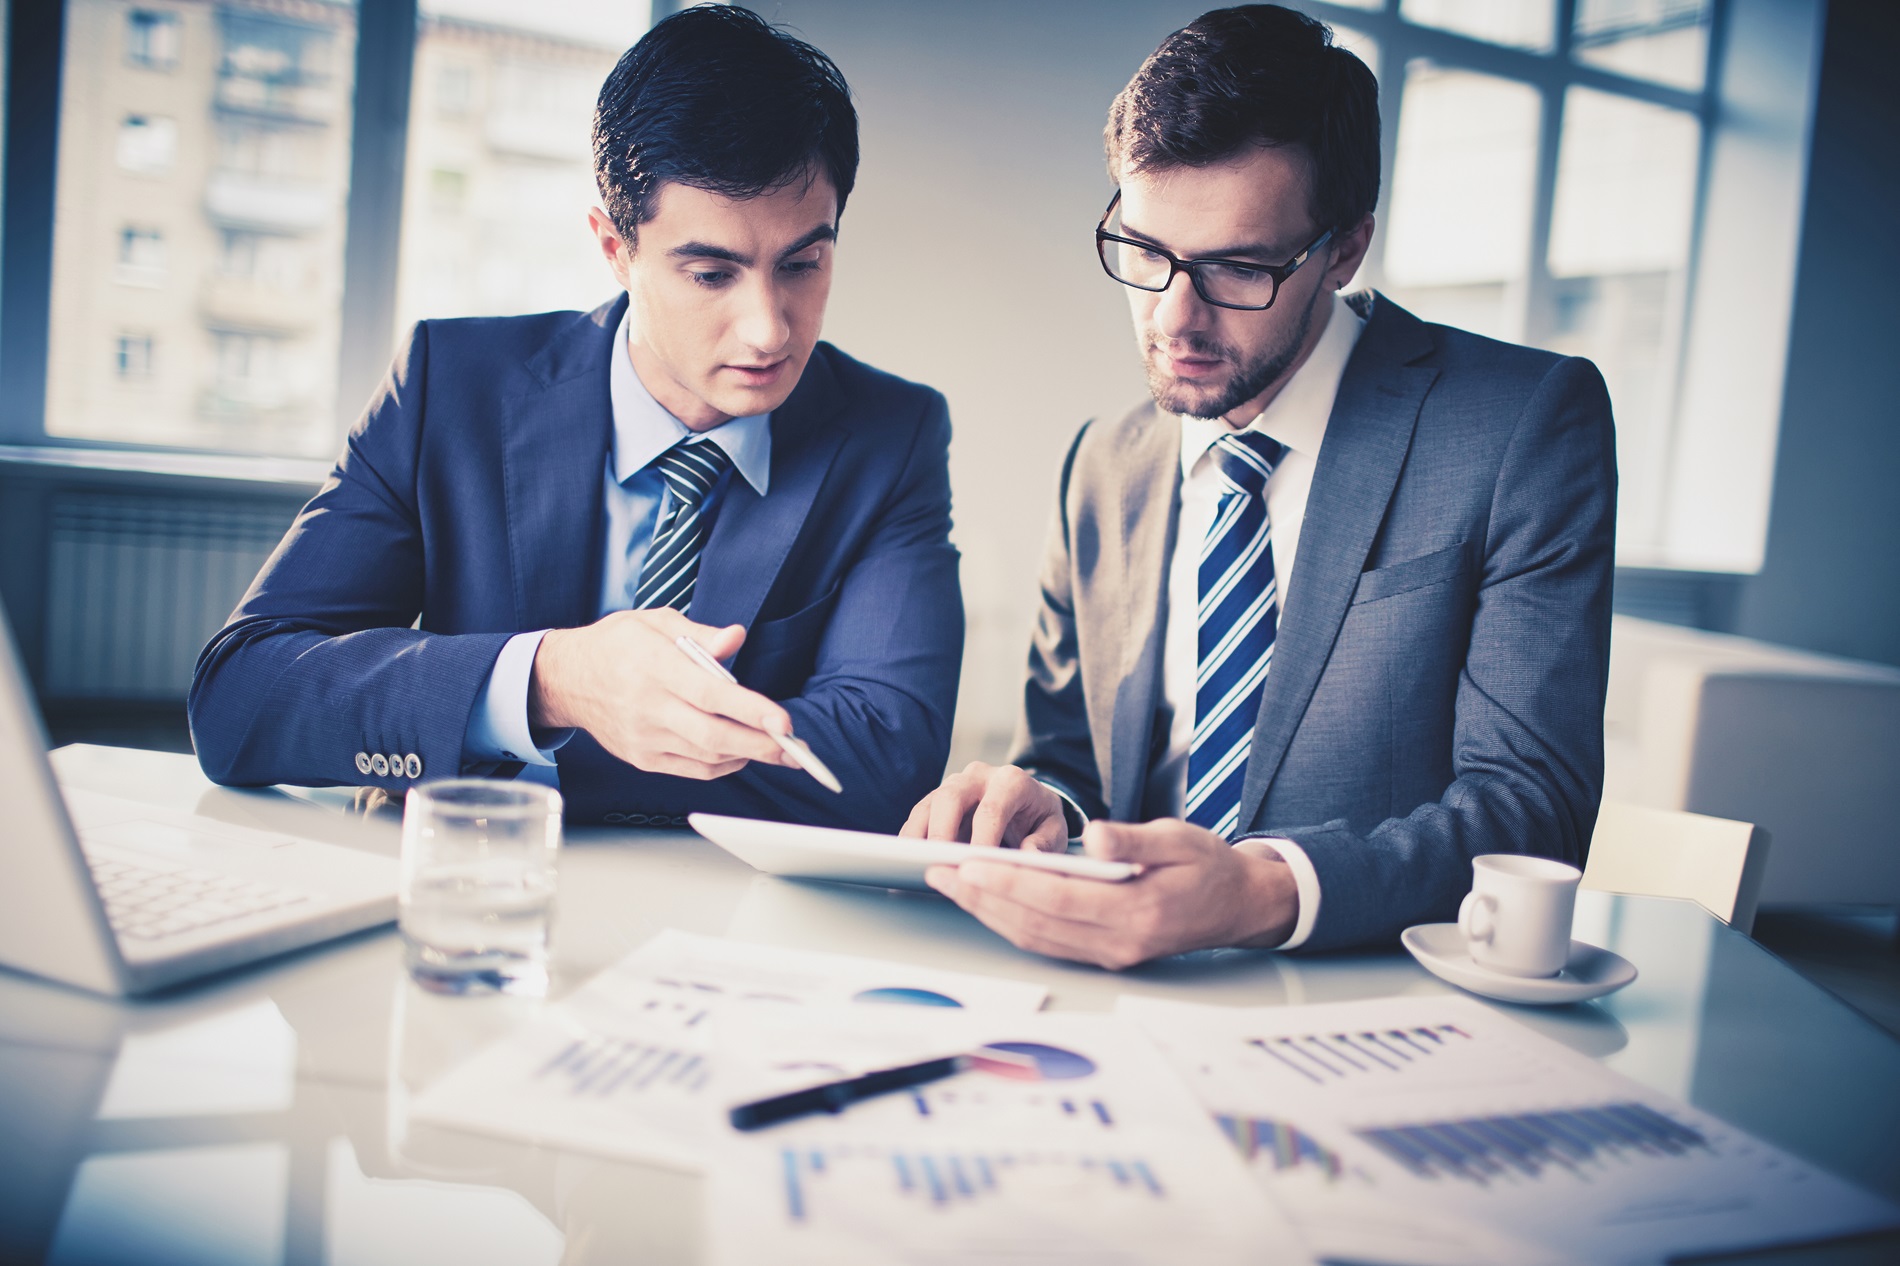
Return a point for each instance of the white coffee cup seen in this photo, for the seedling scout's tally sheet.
(1516, 918)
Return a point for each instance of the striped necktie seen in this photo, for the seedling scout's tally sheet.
(1237, 615)
(672, 563)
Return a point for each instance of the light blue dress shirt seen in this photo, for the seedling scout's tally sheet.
(634, 496)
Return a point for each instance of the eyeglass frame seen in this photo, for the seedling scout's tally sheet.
(1278, 272)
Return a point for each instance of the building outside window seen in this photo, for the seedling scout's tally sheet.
(141, 258)
(242, 155)
(500, 172)
(148, 144)
(133, 357)
(152, 38)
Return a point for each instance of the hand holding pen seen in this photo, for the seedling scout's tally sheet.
(792, 747)
(627, 682)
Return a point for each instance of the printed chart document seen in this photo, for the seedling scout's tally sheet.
(1083, 1148)
(1435, 1129)
(621, 1067)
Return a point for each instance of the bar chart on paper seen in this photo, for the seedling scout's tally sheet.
(1329, 1058)
(948, 1178)
(596, 1066)
(1450, 1121)
(1530, 1145)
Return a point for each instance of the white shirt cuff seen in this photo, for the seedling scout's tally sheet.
(498, 727)
(1305, 883)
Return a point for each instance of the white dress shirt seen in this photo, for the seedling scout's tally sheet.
(633, 496)
(1297, 418)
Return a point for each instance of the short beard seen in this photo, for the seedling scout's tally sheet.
(1243, 384)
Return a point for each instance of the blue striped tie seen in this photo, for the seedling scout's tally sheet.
(1237, 615)
(672, 563)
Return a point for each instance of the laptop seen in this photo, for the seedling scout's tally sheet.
(123, 898)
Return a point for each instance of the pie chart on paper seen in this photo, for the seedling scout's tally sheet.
(903, 997)
(1034, 1061)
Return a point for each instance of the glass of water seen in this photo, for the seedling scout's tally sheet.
(477, 890)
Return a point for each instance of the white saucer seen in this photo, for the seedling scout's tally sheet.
(1591, 972)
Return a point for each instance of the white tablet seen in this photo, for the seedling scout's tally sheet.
(882, 861)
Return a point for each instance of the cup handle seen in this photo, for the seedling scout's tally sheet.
(1478, 917)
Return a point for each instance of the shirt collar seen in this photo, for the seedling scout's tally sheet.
(1297, 416)
(643, 429)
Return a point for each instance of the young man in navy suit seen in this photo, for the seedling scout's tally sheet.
(534, 509)
(1328, 616)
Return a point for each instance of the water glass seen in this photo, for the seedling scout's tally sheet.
(477, 889)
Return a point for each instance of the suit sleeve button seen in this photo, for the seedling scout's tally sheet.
(362, 762)
(379, 765)
(412, 765)
(615, 818)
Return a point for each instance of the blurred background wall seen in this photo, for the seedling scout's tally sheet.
(219, 214)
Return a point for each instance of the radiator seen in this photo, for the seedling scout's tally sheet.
(137, 586)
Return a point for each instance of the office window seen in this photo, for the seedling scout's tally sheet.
(151, 38)
(500, 170)
(1458, 258)
(1529, 24)
(1663, 40)
(147, 144)
(141, 258)
(1550, 186)
(252, 136)
(133, 357)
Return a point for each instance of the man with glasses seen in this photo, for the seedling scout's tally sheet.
(1329, 616)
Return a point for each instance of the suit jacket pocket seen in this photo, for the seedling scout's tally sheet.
(1413, 573)
(779, 655)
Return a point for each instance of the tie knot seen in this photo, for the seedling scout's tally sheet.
(691, 469)
(1247, 458)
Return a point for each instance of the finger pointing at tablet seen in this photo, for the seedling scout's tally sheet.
(990, 806)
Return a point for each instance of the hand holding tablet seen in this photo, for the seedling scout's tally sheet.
(880, 861)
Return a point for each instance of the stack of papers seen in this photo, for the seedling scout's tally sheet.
(1423, 1130)
(1437, 1130)
(622, 1066)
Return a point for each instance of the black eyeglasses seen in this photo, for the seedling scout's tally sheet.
(1225, 283)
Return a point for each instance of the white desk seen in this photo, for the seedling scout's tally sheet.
(266, 1112)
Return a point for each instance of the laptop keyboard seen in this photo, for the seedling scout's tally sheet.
(152, 900)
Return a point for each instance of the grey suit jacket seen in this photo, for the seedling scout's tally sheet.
(1439, 672)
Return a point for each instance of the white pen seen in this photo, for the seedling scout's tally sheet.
(794, 748)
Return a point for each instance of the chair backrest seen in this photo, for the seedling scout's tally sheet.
(1714, 862)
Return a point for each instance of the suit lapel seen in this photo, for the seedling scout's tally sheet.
(752, 535)
(1367, 438)
(554, 452)
(1149, 507)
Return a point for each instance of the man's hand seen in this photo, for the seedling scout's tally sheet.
(991, 805)
(624, 681)
(1195, 892)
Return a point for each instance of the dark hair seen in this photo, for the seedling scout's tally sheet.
(1255, 75)
(717, 98)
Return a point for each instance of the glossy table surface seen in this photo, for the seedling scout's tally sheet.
(262, 1116)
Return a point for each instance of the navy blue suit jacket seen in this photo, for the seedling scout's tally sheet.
(469, 495)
